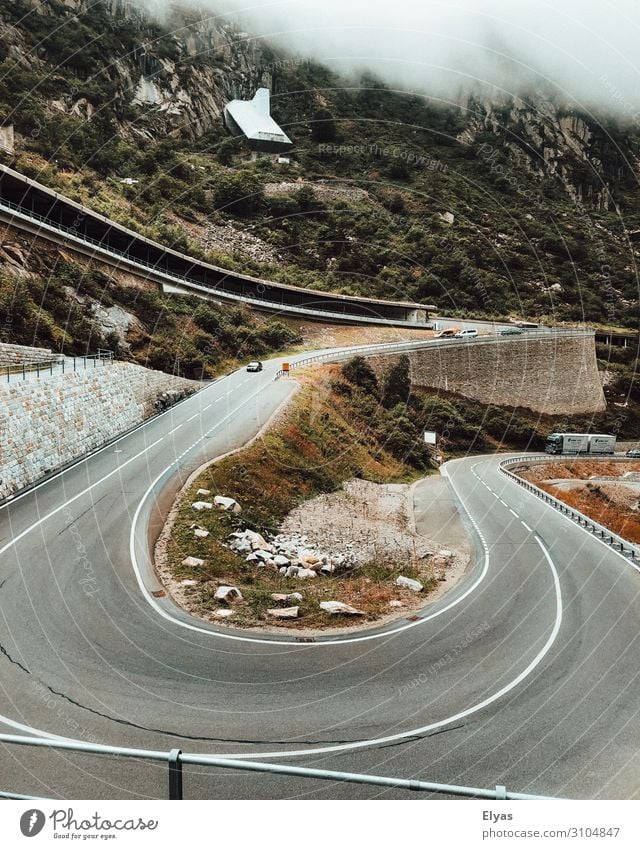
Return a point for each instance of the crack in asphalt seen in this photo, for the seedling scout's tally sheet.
(416, 737)
(193, 736)
(11, 659)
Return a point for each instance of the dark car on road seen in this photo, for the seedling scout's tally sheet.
(255, 365)
(634, 453)
(510, 331)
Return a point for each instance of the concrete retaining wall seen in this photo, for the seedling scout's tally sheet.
(47, 423)
(547, 374)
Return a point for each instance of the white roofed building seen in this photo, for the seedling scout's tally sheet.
(252, 119)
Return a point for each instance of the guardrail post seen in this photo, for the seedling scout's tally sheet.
(175, 774)
(501, 791)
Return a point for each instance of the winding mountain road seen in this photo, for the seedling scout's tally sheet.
(524, 674)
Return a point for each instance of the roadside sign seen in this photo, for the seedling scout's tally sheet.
(285, 368)
(430, 437)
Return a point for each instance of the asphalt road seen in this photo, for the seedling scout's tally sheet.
(525, 674)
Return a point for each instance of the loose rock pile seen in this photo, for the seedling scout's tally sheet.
(292, 555)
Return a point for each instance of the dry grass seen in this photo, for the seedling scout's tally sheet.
(312, 451)
(611, 505)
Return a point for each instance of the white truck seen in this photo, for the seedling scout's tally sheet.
(581, 443)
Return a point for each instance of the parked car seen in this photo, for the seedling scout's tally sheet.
(255, 365)
(467, 333)
(510, 331)
(634, 453)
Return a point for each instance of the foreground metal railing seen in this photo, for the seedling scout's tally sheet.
(175, 759)
(617, 543)
(60, 365)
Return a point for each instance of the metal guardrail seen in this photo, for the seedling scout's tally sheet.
(275, 306)
(447, 343)
(176, 759)
(606, 535)
(61, 366)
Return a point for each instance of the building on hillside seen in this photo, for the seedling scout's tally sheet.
(252, 119)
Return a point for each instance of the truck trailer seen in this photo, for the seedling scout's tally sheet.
(594, 444)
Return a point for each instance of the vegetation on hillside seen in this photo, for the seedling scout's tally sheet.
(181, 335)
(527, 238)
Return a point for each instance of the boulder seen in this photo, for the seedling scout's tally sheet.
(192, 562)
(203, 492)
(292, 571)
(253, 558)
(409, 583)
(229, 504)
(228, 594)
(188, 583)
(304, 573)
(395, 603)
(202, 505)
(255, 538)
(262, 554)
(241, 547)
(445, 553)
(281, 560)
(340, 608)
(286, 596)
(200, 532)
(223, 613)
(327, 568)
(284, 612)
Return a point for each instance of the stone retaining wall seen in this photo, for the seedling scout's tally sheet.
(11, 355)
(547, 374)
(47, 423)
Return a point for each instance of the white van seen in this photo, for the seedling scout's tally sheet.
(467, 333)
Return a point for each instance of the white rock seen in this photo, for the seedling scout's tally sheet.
(395, 603)
(192, 561)
(200, 532)
(445, 553)
(328, 569)
(291, 571)
(304, 573)
(255, 538)
(252, 558)
(286, 596)
(241, 546)
(224, 503)
(409, 583)
(281, 560)
(284, 612)
(339, 607)
(223, 613)
(283, 570)
(202, 505)
(188, 583)
(228, 594)
(203, 492)
(263, 554)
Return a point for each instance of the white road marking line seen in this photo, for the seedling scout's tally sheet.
(177, 427)
(527, 526)
(502, 501)
(194, 416)
(514, 513)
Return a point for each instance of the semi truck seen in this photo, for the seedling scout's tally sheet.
(580, 443)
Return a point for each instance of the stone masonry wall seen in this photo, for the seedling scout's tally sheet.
(17, 354)
(49, 422)
(548, 374)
